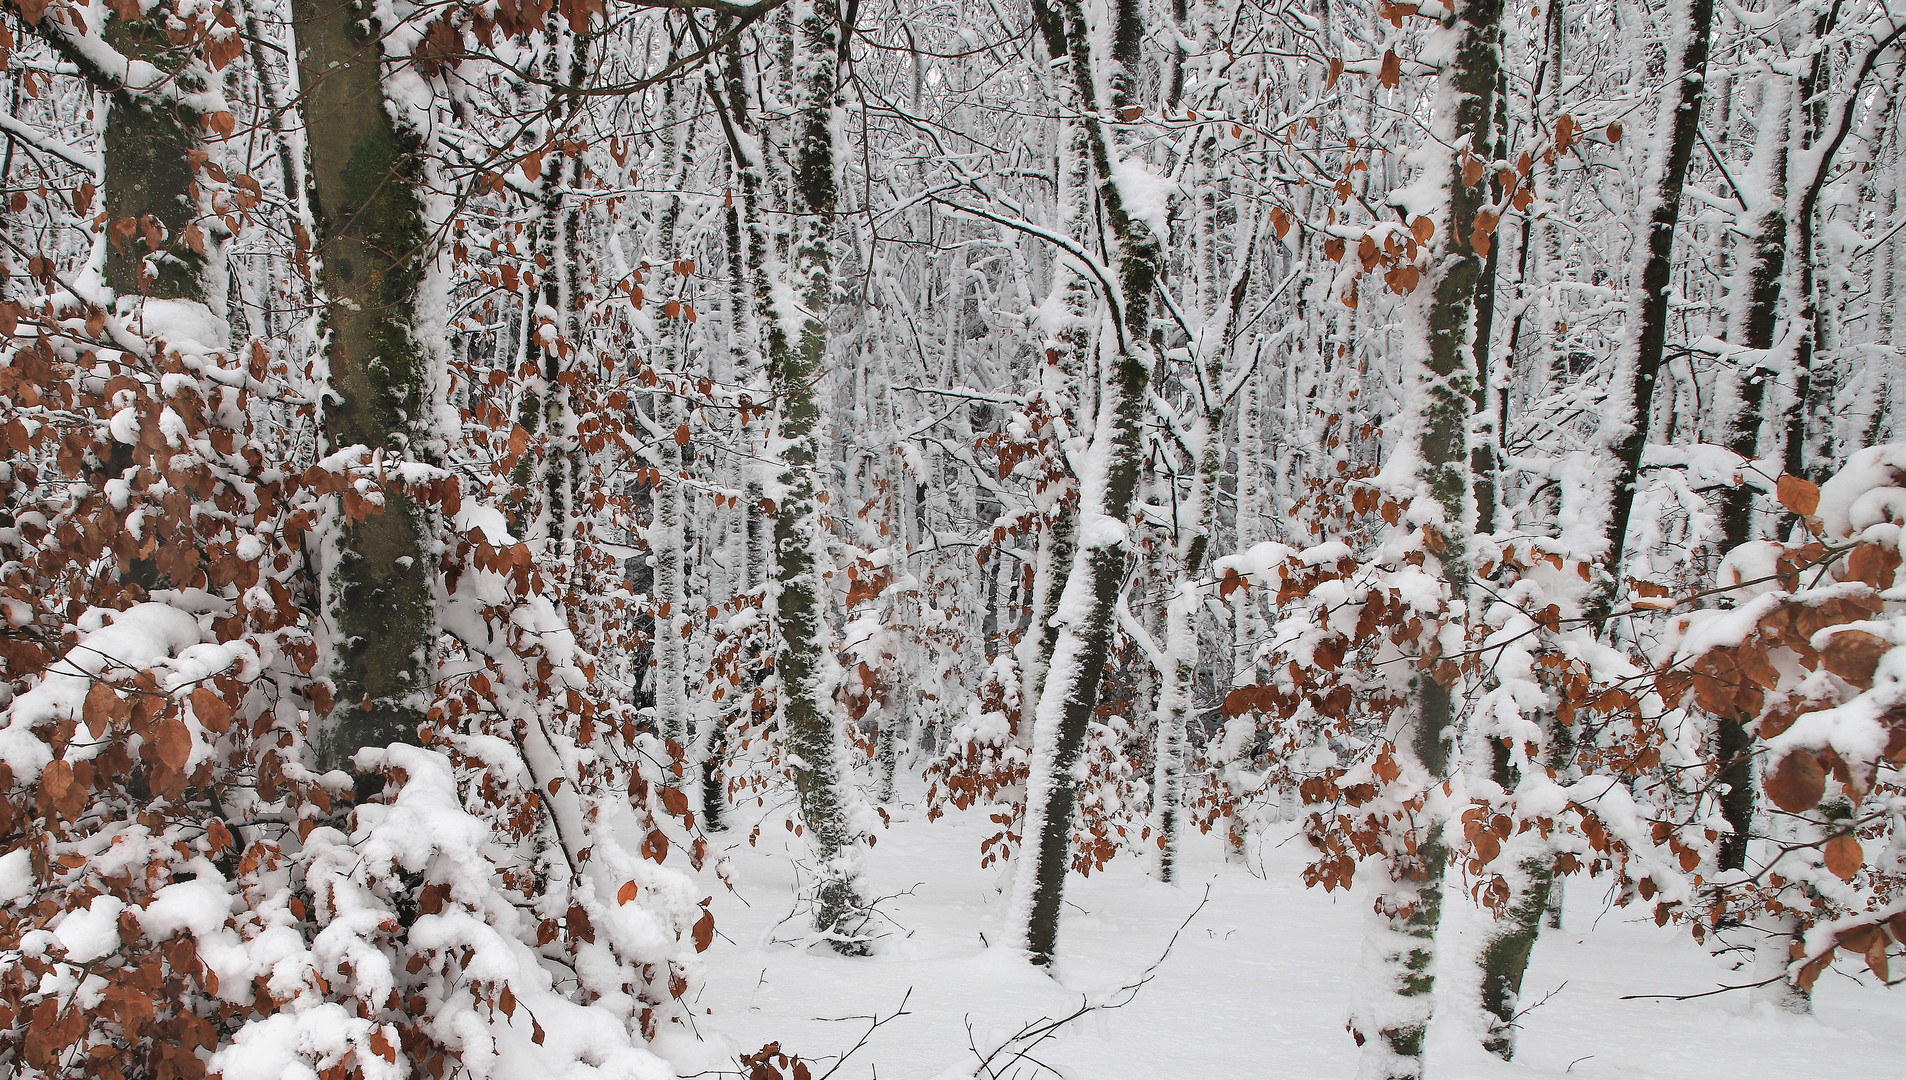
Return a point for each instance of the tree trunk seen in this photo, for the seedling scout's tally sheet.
(811, 721)
(148, 171)
(1097, 576)
(1402, 946)
(363, 173)
(665, 532)
(1651, 307)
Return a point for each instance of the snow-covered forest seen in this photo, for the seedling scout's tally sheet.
(985, 540)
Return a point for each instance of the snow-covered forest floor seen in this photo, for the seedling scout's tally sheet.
(1257, 984)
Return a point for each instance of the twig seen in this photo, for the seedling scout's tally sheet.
(878, 1021)
(1028, 1038)
(1704, 993)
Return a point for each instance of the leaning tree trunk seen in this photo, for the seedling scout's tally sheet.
(1401, 948)
(1084, 616)
(364, 172)
(1650, 334)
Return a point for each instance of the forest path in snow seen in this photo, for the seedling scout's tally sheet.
(1258, 983)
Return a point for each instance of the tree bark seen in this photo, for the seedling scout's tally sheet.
(795, 349)
(1651, 307)
(363, 173)
(1097, 576)
(1403, 944)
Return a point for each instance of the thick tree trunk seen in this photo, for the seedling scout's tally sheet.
(363, 173)
(148, 176)
(1402, 947)
(811, 721)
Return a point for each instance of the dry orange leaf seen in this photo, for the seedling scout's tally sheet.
(1800, 496)
(1844, 856)
(1797, 782)
(1854, 654)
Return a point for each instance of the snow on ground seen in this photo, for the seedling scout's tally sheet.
(1258, 984)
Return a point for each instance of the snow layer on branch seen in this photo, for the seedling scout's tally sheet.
(1870, 489)
(141, 637)
(1145, 194)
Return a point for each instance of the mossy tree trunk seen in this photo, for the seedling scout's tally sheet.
(1106, 489)
(371, 240)
(794, 347)
(1403, 945)
(147, 146)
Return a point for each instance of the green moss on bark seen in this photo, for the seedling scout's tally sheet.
(371, 240)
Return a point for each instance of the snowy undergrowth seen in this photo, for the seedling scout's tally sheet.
(1257, 985)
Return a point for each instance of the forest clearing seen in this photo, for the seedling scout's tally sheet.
(959, 539)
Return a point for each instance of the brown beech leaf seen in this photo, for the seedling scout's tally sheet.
(174, 743)
(1844, 856)
(675, 801)
(1854, 654)
(1873, 564)
(101, 705)
(1812, 972)
(1797, 782)
(1392, 71)
(1800, 496)
(55, 780)
(211, 710)
(681, 435)
(626, 893)
(704, 931)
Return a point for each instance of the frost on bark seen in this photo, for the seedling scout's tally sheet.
(812, 722)
(1066, 351)
(1401, 949)
(1178, 689)
(1650, 334)
(1755, 327)
(1504, 957)
(1084, 615)
(364, 173)
(666, 524)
